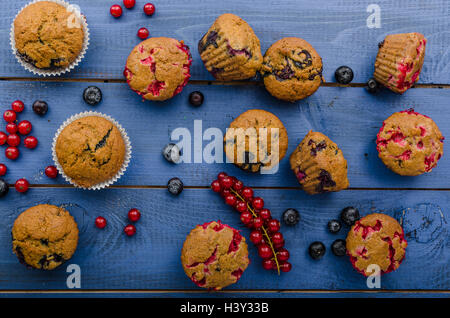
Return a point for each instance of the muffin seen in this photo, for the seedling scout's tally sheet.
(214, 255)
(90, 150)
(399, 61)
(230, 49)
(44, 236)
(376, 239)
(292, 69)
(48, 36)
(319, 164)
(410, 143)
(158, 68)
(256, 141)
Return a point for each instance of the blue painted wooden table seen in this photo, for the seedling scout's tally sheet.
(148, 264)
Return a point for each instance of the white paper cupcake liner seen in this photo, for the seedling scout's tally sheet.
(126, 160)
(54, 72)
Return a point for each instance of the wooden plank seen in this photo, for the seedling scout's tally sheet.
(150, 260)
(349, 116)
(336, 29)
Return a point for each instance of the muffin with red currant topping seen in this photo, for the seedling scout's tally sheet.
(292, 69)
(230, 49)
(256, 141)
(158, 68)
(400, 60)
(376, 239)
(319, 164)
(214, 255)
(410, 143)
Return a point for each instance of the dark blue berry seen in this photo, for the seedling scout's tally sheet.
(175, 186)
(92, 95)
(4, 188)
(172, 153)
(344, 75)
(372, 86)
(350, 215)
(317, 250)
(40, 107)
(291, 216)
(334, 226)
(196, 98)
(338, 247)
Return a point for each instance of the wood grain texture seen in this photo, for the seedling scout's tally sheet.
(337, 29)
(351, 117)
(151, 259)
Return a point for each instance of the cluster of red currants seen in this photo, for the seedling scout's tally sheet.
(265, 230)
(149, 9)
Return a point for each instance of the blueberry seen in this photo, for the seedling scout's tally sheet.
(172, 153)
(196, 98)
(372, 86)
(175, 186)
(317, 250)
(291, 216)
(338, 247)
(92, 95)
(344, 75)
(40, 107)
(4, 188)
(334, 226)
(350, 215)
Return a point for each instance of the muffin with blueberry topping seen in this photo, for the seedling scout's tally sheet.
(319, 164)
(292, 69)
(230, 49)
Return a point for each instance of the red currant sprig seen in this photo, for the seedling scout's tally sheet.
(265, 234)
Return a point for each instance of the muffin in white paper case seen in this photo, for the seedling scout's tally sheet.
(126, 159)
(76, 18)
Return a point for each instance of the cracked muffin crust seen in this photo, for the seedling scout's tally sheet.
(47, 36)
(90, 150)
(44, 236)
(400, 60)
(376, 239)
(319, 164)
(230, 49)
(158, 68)
(250, 147)
(292, 69)
(410, 143)
(214, 255)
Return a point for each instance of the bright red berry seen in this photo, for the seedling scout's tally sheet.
(12, 153)
(143, 33)
(215, 186)
(241, 206)
(18, 106)
(230, 199)
(130, 230)
(285, 267)
(256, 237)
(149, 9)
(226, 182)
(100, 222)
(225, 192)
(238, 185)
(22, 185)
(116, 11)
(257, 222)
(246, 217)
(129, 3)
(279, 245)
(221, 175)
(12, 128)
(277, 238)
(265, 214)
(24, 127)
(30, 142)
(247, 193)
(51, 172)
(134, 215)
(273, 225)
(269, 264)
(13, 140)
(265, 251)
(258, 203)
(9, 116)
(3, 138)
(3, 169)
(283, 255)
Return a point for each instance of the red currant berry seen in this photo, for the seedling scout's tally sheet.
(265, 214)
(130, 230)
(100, 222)
(225, 193)
(273, 225)
(22, 185)
(283, 255)
(247, 193)
(258, 203)
(221, 175)
(277, 238)
(13, 140)
(215, 186)
(257, 222)
(24, 127)
(269, 264)
(116, 11)
(12, 128)
(129, 3)
(143, 33)
(51, 172)
(9, 116)
(246, 217)
(279, 245)
(264, 251)
(3, 169)
(285, 267)
(238, 185)
(30, 142)
(18, 106)
(241, 206)
(226, 182)
(230, 199)
(149, 9)
(12, 153)
(134, 215)
(256, 237)
(3, 138)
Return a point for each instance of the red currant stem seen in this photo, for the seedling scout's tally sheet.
(269, 241)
